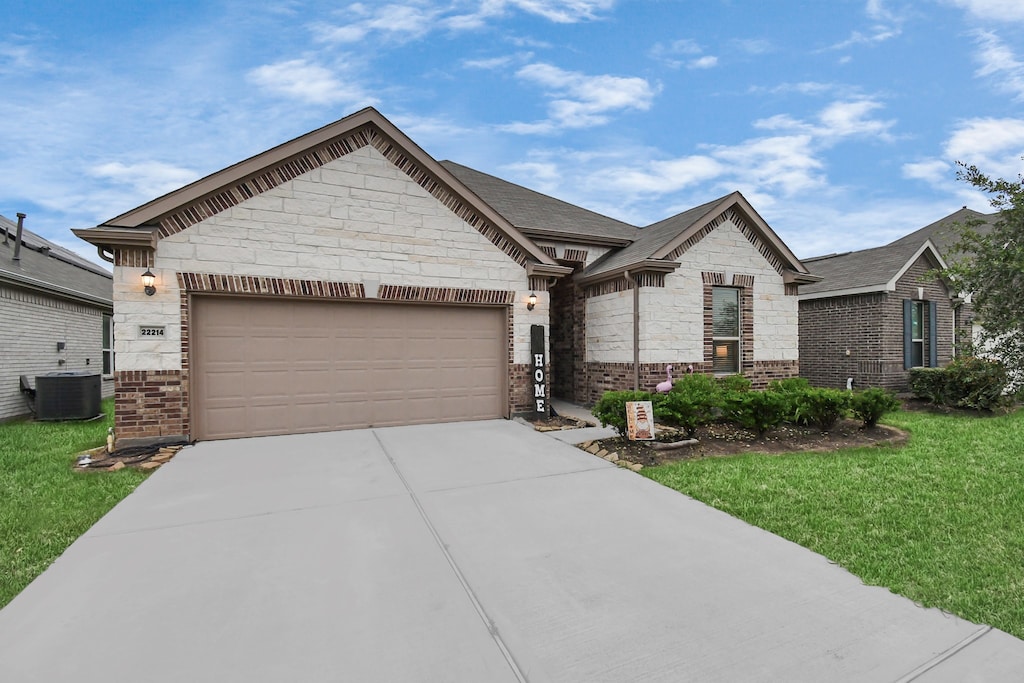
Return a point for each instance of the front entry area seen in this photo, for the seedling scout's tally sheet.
(283, 366)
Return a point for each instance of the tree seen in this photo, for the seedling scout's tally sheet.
(990, 267)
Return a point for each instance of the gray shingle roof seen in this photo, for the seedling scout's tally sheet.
(529, 210)
(651, 239)
(942, 232)
(866, 270)
(872, 269)
(48, 266)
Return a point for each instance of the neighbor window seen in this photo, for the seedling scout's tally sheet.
(725, 306)
(108, 344)
(920, 347)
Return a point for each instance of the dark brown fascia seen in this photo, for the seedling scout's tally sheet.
(635, 268)
(547, 270)
(575, 238)
(791, 277)
(740, 202)
(108, 237)
(152, 212)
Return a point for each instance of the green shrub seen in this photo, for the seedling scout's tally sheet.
(734, 383)
(757, 410)
(693, 402)
(929, 384)
(871, 404)
(969, 382)
(793, 384)
(821, 407)
(611, 409)
(976, 383)
(792, 390)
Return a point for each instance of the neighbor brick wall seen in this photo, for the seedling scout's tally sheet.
(871, 327)
(30, 328)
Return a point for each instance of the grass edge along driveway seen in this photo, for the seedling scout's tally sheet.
(938, 521)
(44, 504)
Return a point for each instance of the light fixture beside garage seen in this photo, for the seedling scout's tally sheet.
(147, 280)
(531, 301)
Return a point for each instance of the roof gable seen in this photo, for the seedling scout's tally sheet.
(868, 270)
(182, 208)
(667, 240)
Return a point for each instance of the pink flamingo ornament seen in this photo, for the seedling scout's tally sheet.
(666, 386)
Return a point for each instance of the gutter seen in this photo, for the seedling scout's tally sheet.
(54, 290)
(636, 329)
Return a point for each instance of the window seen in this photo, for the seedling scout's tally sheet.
(920, 322)
(108, 344)
(917, 334)
(725, 325)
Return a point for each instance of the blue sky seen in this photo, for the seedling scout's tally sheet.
(840, 120)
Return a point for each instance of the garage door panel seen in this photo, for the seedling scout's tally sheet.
(276, 367)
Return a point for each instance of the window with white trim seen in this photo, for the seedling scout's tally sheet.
(725, 326)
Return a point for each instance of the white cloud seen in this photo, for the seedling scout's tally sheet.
(395, 22)
(147, 178)
(887, 25)
(998, 10)
(581, 101)
(706, 62)
(491, 63)
(932, 171)
(841, 119)
(307, 82)
(999, 63)
(683, 51)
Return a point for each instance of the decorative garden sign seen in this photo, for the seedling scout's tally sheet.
(640, 420)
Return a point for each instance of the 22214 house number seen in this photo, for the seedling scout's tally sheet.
(151, 330)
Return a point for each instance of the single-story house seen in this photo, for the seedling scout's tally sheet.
(58, 310)
(878, 312)
(347, 279)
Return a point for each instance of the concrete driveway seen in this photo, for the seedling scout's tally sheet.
(463, 552)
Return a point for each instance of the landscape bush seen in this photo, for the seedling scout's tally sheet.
(692, 403)
(870, 404)
(968, 382)
(733, 383)
(792, 390)
(757, 410)
(611, 409)
(821, 407)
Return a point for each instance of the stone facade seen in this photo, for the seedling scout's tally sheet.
(675, 319)
(358, 225)
(32, 325)
(861, 335)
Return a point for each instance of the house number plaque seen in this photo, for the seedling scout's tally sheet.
(151, 330)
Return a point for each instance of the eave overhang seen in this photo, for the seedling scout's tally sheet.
(56, 291)
(645, 266)
(575, 238)
(109, 237)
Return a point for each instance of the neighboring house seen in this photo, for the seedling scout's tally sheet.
(347, 279)
(57, 310)
(878, 312)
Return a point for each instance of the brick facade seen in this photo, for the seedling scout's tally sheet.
(861, 335)
(619, 376)
(151, 405)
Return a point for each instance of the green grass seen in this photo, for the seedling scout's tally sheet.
(940, 521)
(44, 504)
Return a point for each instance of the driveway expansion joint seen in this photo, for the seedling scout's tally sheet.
(492, 628)
(945, 656)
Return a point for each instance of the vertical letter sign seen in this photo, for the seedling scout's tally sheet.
(538, 365)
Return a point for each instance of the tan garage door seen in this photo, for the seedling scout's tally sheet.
(278, 366)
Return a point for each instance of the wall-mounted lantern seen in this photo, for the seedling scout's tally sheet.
(531, 301)
(147, 280)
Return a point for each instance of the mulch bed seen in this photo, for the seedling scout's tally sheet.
(717, 440)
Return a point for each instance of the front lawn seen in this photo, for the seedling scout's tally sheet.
(940, 520)
(44, 504)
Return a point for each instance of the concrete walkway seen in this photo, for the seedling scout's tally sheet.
(464, 552)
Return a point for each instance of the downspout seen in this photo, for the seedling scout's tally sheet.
(636, 330)
(17, 238)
